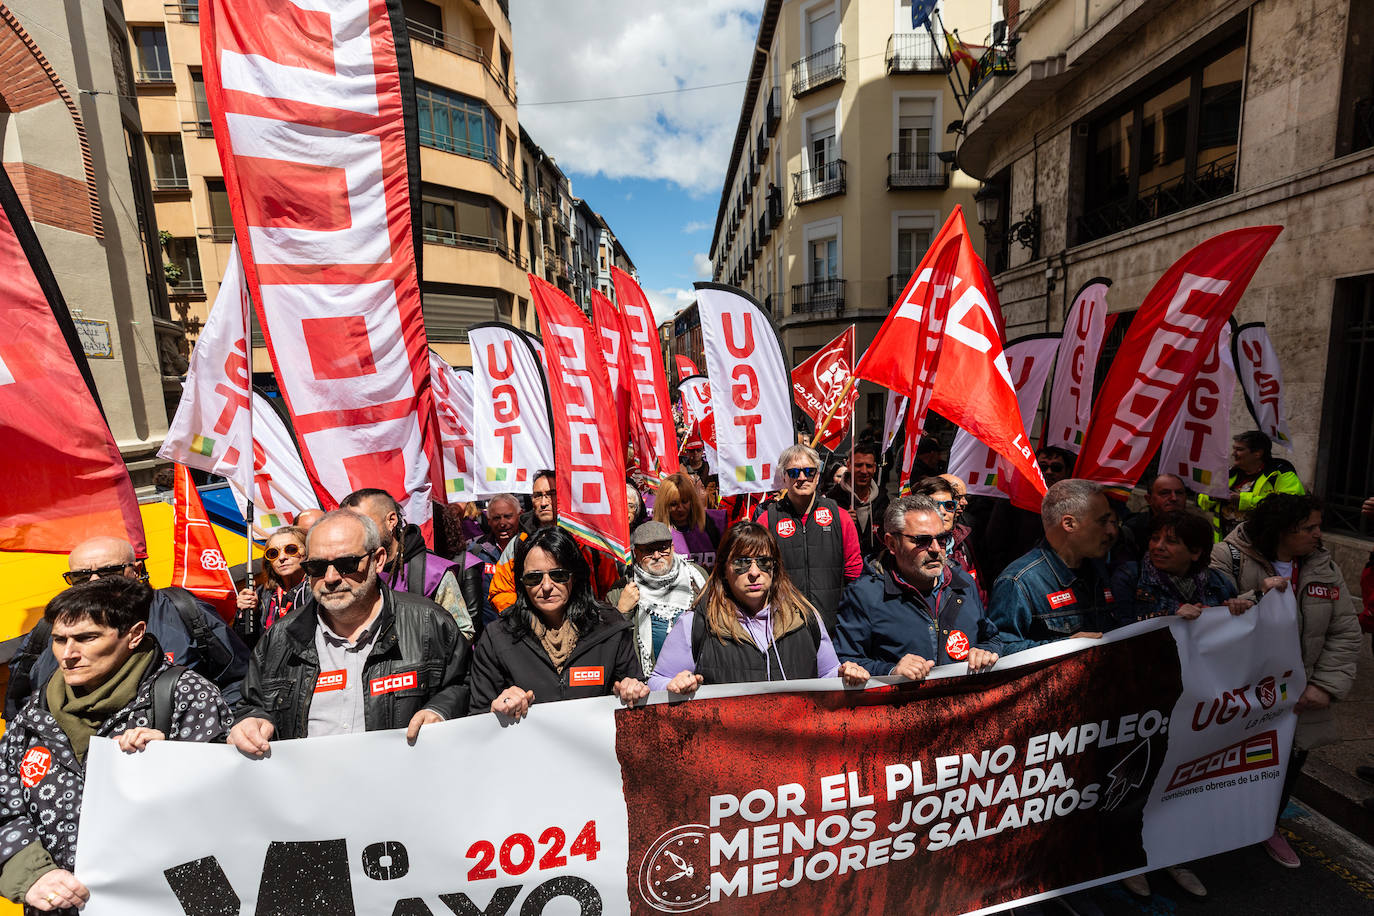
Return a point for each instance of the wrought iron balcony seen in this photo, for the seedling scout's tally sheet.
(819, 183)
(818, 70)
(1214, 180)
(202, 128)
(818, 296)
(171, 183)
(913, 52)
(427, 34)
(916, 170)
(216, 233)
(762, 144)
(156, 76)
(773, 111)
(472, 242)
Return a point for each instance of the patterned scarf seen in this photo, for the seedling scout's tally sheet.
(1187, 589)
(559, 642)
(668, 595)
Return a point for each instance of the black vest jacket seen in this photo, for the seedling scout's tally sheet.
(812, 552)
(725, 661)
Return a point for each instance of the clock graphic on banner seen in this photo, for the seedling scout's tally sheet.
(675, 875)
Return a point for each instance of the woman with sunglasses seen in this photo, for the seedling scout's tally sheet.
(750, 624)
(680, 503)
(556, 642)
(286, 580)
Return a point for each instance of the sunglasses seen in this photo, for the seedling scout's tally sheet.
(741, 565)
(653, 550)
(558, 574)
(346, 566)
(77, 576)
(947, 505)
(797, 473)
(286, 550)
(923, 541)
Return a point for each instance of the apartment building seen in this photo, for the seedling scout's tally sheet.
(840, 173)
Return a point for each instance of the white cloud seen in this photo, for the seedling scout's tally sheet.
(668, 302)
(702, 265)
(585, 49)
(695, 225)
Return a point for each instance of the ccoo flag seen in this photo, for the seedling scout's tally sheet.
(651, 421)
(610, 333)
(1170, 338)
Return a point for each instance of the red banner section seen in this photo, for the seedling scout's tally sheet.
(308, 119)
(65, 480)
(610, 333)
(685, 367)
(818, 383)
(198, 563)
(651, 428)
(1170, 338)
(588, 459)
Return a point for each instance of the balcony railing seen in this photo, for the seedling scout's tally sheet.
(429, 35)
(203, 129)
(532, 201)
(473, 242)
(916, 170)
(182, 12)
(186, 289)
(773, 112)
(913, 52)
(761, 144)
(765, 228)
(775, 207)
(818, 183)
(216, 233)
(818, 70)
(818, 296)
(174, 183)
(1214, 180)
(154, 77)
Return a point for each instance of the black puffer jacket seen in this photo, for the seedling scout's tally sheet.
(415, 637)
(605, 655)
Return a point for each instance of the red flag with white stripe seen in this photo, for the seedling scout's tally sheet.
(198, 563)
(651, 422)
(613, 337)
(685, 367)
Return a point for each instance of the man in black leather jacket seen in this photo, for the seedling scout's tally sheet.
(360, 657)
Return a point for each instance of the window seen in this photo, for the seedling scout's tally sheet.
(452, 217)
(150, 46)
(221, 228)
(169, 163)
(824, 262)
(1171, 148)
(186, 256)
(915, 126)
(200, 107)
(456, 123)
(823, 171)
(1348, 460)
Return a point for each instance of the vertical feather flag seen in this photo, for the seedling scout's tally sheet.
(198, 564)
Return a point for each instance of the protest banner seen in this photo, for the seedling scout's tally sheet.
(1065, 766)
(1171, 336)
(453, 403)
(821, 380)
(1197, 445)
(696, 409)
(279, 488)
(651, 421)
(1075, 367)
(750, 389)
(1261, 380)
(512, 438)
(320, 160)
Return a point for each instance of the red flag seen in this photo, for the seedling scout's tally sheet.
(64, 479)
(685, 367)
(611, 333)
(652, 420)
(694, 439)
(1170, 338)
(587, 458)
(197, 562)
(818, 382)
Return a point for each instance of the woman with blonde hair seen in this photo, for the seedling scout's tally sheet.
(286, 584)
(681, 505)
(750, 624)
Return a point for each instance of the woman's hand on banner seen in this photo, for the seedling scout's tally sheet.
(630, 690)
(1278, 582)
(853, 675)
(1238, 606)
(136, 739)
(251, 736)
(421, 718)
(684, 682)
(57, 890)
(1189, 611)
(513, 702)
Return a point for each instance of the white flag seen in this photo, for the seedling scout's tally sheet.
(751, 389)
(453, 403)
(894, 414)
(510, 417)
(696, 408)
(1197, 446)
(210, 430)
(280, 489)
(1261, 379)
(1071, 397)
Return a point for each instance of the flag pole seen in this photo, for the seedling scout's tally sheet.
(852, 437)
(844, 393)
(248, 501)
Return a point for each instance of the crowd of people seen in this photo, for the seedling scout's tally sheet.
(354, 625)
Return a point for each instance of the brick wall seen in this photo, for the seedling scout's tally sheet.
(26, 84)
(51, 198)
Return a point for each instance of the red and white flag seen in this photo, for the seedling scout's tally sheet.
(685, 367)
(651, 421)
(818, 382)
(610, 333)
(212, 427)
(279, 489)
(1197, 445)
(307, 103)
(64, 479)
(1261, 380)
(1170, 338)
(894, 415)
(696, 409)
(510, 413)
(1071, 394)
(590, 461)
(1029, 360)
(750, 388)
(453, 403)
(198, 563)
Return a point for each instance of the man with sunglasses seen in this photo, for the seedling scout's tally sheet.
(1018, 530)
(360, 657)
(913, 609)
(816, 536)
(660, 586)
(190, 632)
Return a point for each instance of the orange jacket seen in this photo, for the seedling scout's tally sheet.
(605, 574)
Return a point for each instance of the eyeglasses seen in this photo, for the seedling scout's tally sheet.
(546, 494)
(740, 565)
(947, 505)
(558, 574)
(286, 550)
(77, 576)
(346, 566)
(923, 541)
(796, 473)
(653, 550)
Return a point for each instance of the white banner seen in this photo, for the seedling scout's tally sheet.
(1071, 397)
(1029, 360)
(1197, 445)
(751, 390)
(512, 438)
(1261, 379)
(453, 403)
(1161, 743)
(210, 429)
(696, 408)
(280, 487)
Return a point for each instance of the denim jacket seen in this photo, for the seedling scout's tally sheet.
(1038, 599)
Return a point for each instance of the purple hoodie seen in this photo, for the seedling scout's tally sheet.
(677, 648)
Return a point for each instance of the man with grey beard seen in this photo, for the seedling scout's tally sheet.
(660, 586)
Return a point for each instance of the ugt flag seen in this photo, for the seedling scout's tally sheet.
(1197, 446)
(279, 488)
(819, 382)
(1261, 380)
(453, 403)
(1071, 393)
(510, 414)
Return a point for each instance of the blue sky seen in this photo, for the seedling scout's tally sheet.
(601, 87)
